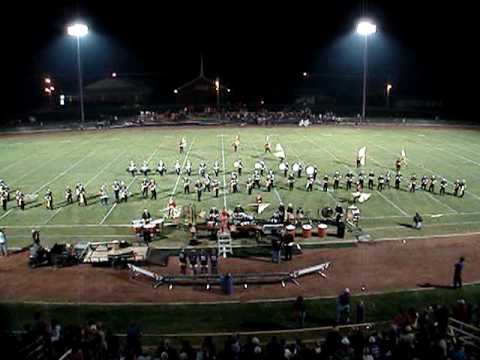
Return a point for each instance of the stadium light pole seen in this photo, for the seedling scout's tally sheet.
(365, 28)
(79, 30)
(389, 89)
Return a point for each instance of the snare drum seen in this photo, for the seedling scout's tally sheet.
(307, 231)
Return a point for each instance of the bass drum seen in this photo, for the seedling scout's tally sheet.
(310, 170)
(296, 167)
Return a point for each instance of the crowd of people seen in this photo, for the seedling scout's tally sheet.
(411, 334)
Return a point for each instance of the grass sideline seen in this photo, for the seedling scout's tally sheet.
(228, 317)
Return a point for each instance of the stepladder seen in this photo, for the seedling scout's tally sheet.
(224, 241)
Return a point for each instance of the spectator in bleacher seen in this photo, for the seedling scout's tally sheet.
(457, 273)
(133, 345)
(343, 307)
(300, 310)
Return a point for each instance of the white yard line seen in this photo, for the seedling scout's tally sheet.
(63, 173)
(53, 215)
(452, 210)
(425, 226)
(459, 156)
(180, 175)
(6, 214)
(427, 236)
(392, 203)
(224, 178)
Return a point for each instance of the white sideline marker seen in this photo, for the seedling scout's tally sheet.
(180, 175)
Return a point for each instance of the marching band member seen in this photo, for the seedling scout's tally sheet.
(186, 185)
(310, 181)
(116, 191)
(199, 189)
(178, 167)
(256, 179)
(146, 216)
(48, 200)
(349, 180)
(424, 182)
(171, 207)
(433, 181)
(188, 168)
(132, 168)
(315, 172)
(216, 168)
(268, 145)
(161, 168)
(262, 167)
(4, 199)
(82, 198)
(325, 183)
(236, 143)
(413, 183)
(398, 180)
(182, 145)
(371, 176)
(297, 167)
(443, 186)
(381, 182)
(234, 184)
(206, 182)
(259, 199)
(145, 169)
(216, 186)
(285, 168)
(359, 187)
(249, 185)
(456, 187)
(291, 181)
(144, 187)
(123, 192)
(269, 181)
(202, 168)
(103, 195)
(461, 190)
(361, 179)
(336, 180)
(153, 189)
(21, 201)
(388, 177)
(398, 165)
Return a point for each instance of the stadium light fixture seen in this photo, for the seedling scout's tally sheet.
(175, 91)
(365, 28)
(114, 74)
(389, 89)
(79, 30)
(48, 80)
(305, 74)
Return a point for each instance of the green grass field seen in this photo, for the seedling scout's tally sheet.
(35, 162)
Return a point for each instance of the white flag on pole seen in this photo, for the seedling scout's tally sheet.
(362, 155)
(279, 152)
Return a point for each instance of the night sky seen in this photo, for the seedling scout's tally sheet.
(426, 49)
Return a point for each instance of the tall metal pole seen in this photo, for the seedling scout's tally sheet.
(80, 83)
(364, 97)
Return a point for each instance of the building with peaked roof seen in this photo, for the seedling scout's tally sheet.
(115, 90)
(201, 91)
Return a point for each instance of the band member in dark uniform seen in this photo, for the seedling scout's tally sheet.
(381, 182)
(336, 180)
(269, 182)
(325, 183)
(424, 182)
(457, 273)
(186, 185)
(413, 183)
(433, 181)
(216, 187)
(146, 216)
(310, 182)
(361, 179)
(256, 179)
(216, 168)
(443, 186)
(371, 176)
(291, 181)
(349, 180)
(182, 260)
(388, 177)
(116, 191)
(153, 189)
(398, 165)
(249, 185)
(199, 189)
(398, 180)
(203, 262)
(145, 184)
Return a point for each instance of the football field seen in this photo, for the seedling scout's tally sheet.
(33, 163)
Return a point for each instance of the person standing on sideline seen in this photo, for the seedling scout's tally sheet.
(457, 273)
(3, 243)
(300, 309)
